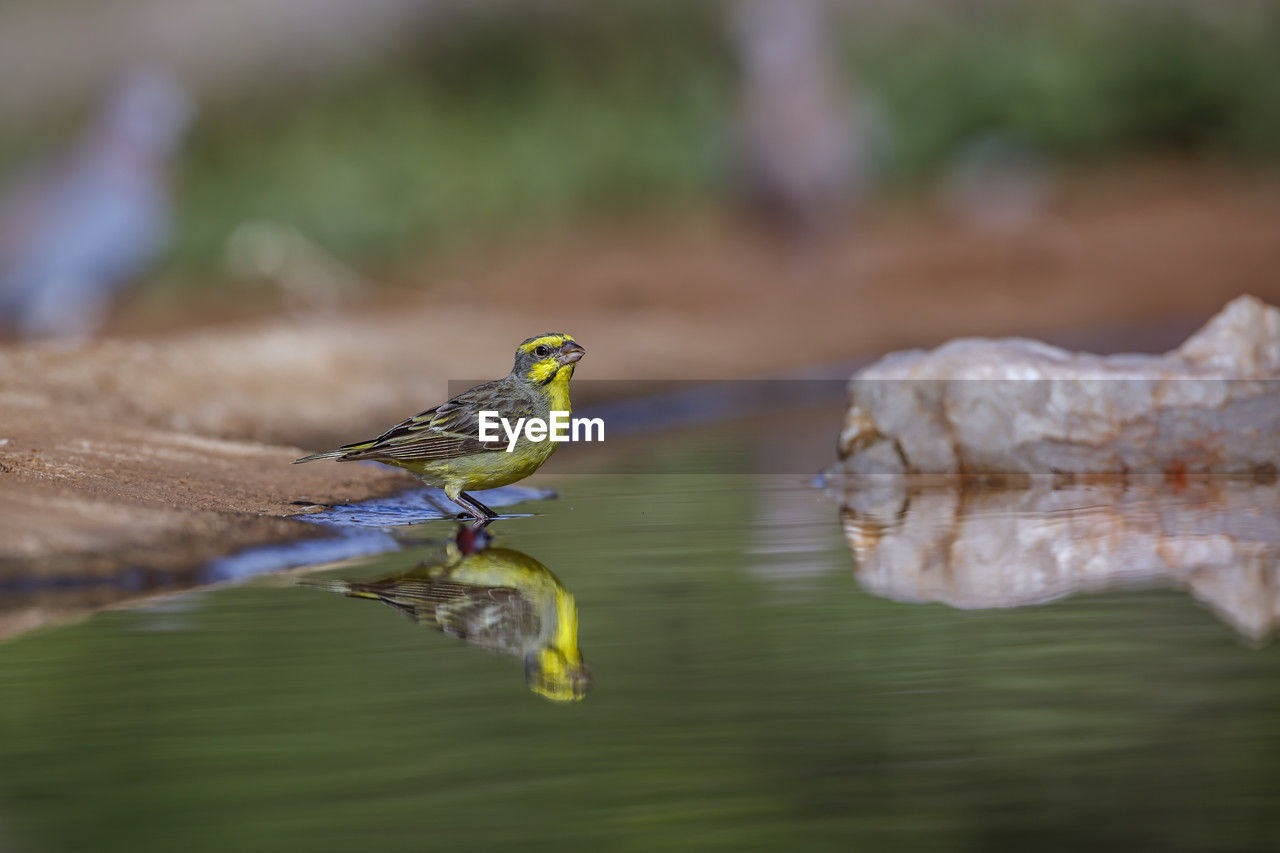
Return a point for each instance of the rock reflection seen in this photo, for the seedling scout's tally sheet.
(498, 599)
(984, 549)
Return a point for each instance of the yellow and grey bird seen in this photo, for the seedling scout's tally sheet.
(498, 599)
(442, 446)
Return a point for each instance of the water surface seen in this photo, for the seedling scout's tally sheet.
(753, 683)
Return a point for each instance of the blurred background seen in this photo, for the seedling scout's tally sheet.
(231, 225)
(169, 164)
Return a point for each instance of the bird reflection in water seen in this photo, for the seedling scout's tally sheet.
(498, 599)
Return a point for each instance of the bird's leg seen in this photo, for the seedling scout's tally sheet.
(471, 537)
(474, 507)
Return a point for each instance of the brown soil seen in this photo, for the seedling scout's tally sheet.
(163, 448)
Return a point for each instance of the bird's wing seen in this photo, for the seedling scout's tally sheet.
(492, 617)
(495, 618)
(449, 430)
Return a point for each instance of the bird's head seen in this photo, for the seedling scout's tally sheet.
(148, 112)
(556, 669)
(548, 358)
(558, 674)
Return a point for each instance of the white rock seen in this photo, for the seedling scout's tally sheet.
(1021, 407)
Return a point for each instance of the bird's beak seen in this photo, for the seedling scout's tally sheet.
(582, 681)
(570, 351)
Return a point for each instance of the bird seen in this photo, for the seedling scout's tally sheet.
(498, 599)
(77, 232)
(442, 445)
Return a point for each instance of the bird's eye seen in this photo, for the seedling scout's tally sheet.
(542, 352)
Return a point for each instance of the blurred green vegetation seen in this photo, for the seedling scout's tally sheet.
(1079, 80)
(494, 121)
(497, 121)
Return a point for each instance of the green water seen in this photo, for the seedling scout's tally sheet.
(748, 694)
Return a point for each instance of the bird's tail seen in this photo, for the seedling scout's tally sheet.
(343, 452)
(328, 454)
(341, 587)
(327, 584)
